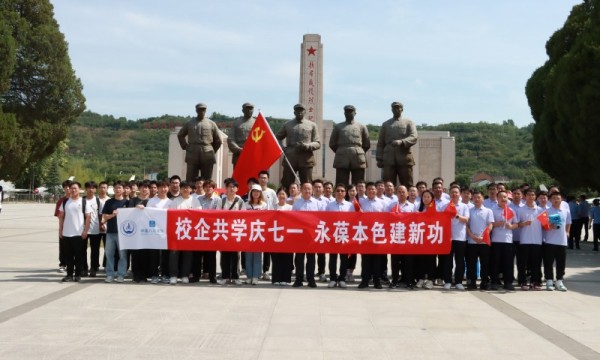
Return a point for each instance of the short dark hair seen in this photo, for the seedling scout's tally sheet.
(90, 185)
(209, 183)
(103, 182)
(75, 183)
(328, 183)
(230, 181)
(263, 172)
(252, 180)
(118, 183)
(66, 183)
(554, 193)
(185, 184)
(370, 183)
(174, 177)
(280, 190)
(476, 192)
(421, 182)
(492, 185)
(317, 181)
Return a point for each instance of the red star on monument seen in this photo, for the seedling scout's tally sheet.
(311, 51)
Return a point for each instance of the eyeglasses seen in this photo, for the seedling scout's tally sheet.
(340, 190)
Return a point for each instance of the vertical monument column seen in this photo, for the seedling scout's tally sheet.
(311, 91)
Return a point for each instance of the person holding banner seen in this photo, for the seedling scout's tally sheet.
(339, 204)
(140, 259)
(425, 264)
(306, 203)
(352, 196)
(160, 201)
(371, 263)
(459, 242)
(282, 262)
(185, 201)
(230, 259)
(256, 201)
(404, 262)
(478, 247)
(529, 258)
(208, 259)
(501, 252)
(109, 217)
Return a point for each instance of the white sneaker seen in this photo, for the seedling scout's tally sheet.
(323, 278)
(549, 285)
(165, 279)
(154, 280)
(331, 284)
(221, 281)
(254, 281)
(439, 282)
(185, 280)
(420, 284)
(428, 285)
(120, 279)
(342, 284)
(173, 280)
(265, 276)
(560, 286)
(237, 282)
(61, 269)
(447, 286)
(460, 287)
(350, 277)
(109, 279)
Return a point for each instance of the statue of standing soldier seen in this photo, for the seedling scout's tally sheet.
(239, 132)
(203, 141)
(396, 137)
(302, 138)
(350, 142)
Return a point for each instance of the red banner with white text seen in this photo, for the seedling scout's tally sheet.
(310, 232)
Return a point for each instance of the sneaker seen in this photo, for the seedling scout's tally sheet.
(173, 280)
(420, 284)
(393, 285)
(439, 282)
(377, 285)
(342, 284)
(254, 281)
(92, 273)
(363, 285)
(154, 280)
(67, 279)
(222, 281)
(265, 276)
(109, 279)
(237, 282)
(120, 279)
(61, 269)
(185, 280)
(331, 284)
(312, 284)
(460, 287)
(549, 285)
(297, 284)
(560, 286)
(212, 280)
(322, 278)
(77, 279)
(428, 285)
(525, 287)
(165, 279)
(509, 287)
(536, 287)
(350, 277)
(447, 286)
(284, 284)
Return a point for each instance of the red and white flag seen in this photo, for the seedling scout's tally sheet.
(260, 151)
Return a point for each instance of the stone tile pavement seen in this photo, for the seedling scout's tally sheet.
(41, 318)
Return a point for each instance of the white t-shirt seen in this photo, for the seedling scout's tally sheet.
(74, 221)
(94, 220)
(270, 197)
(157, 202)
(181, 203)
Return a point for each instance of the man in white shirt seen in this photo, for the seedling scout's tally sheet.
(529, 257)
(401, 262)
(372, 264)
(94, 234)
(339, 204)
(318, 190)
(478, 229)
(502, 249)
(459, 242)
(555, 248)
(306, 203)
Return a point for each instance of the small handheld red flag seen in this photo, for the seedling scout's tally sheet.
(543, 219)
(451, 208)
(356, 204)
(486, 236)
(508, 213)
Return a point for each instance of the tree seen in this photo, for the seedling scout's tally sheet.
(40, 96)
(564, 97)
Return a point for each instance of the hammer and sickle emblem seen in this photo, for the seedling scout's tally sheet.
(257, 134)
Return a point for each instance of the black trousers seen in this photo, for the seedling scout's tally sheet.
(310, 267)
(95, 241)
(575, 233)
(74, 254)
(334, 276)
(396, 265)
(425, 266)
(479, 252)
(352, 261)
(282, 267)
(371, 268)
(407, 265)
(209, 263)
(164, 263)
(457, 253)
(144, 263)
(502, 261)
(596, 230)
(229, 263)
(529, 259)
(320, 264)
(554, 253)
(266, 263)
(180, 263)
(62, 252)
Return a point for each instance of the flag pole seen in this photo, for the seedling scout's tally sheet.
(290, 165)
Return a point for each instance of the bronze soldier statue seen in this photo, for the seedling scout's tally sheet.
(239, 131)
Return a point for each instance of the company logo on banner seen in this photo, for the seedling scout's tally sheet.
(142, 228)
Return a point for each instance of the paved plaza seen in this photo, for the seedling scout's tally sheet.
(42, 318)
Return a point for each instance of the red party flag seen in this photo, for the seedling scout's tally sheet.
(260, 151)
(451, 208)
(508, 213)
(543, 219)
(356, 204)
(486, 236)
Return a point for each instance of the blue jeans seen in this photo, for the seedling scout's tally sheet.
(112, 245)
(253, 264)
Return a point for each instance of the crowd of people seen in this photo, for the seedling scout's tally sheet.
(490, 234)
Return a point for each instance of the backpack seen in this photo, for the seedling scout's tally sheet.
(235, 201)
(83, 204)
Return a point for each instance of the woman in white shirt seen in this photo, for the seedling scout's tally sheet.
(283, 263)
(256, 201)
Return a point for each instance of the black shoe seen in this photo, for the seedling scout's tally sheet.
(393, 285)
(212, 280)
(297, 284)
(471, 287)
(92, 273)
(495, 287)
(484, 286)
(410, 286)
(67, 278)
(84, 273)
(571, 247)
(595, 249)
(77, 279)
(509, 287)
(577, 248)
(312, 284)
(377, 285)
(363, 284)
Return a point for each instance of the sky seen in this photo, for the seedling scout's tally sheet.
(446, 61)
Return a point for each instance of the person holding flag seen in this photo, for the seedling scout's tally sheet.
(339, 204)
(529, 258)
(459, 240)
(260, 151)
(502, 252)
(555, 248)
(478, 246)
(399, 262)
